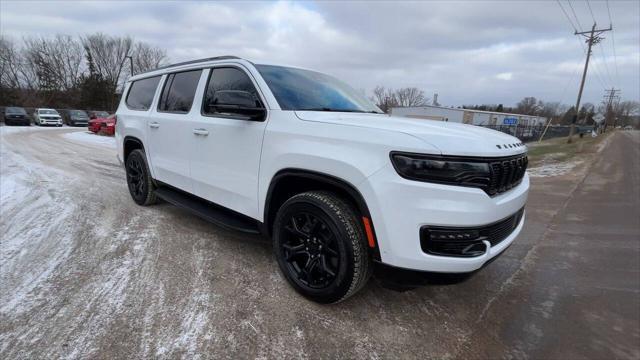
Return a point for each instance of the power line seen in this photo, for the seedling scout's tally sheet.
(606, 66)
(566, 15)
(574, 15)
(613, 43)
(602, 55)
(584, 51)
(591, 11)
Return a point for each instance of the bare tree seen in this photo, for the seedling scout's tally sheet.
(527, 106)
(411, 96)
(56, 62)
(146, 57)
(384, 98)
(9, 64)
(107, 54)
(624, 111)
(388, 98)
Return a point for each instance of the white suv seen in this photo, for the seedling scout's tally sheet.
(306, 160)
(47, 117)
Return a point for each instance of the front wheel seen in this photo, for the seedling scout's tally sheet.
(320, 247)
(139, 179)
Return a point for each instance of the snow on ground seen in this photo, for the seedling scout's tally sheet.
(91, 138)
(31, 209)
(16, 129)
(547, 169)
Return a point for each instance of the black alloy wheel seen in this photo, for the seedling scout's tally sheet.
(320, 246)
(139, 180)
(311, 250)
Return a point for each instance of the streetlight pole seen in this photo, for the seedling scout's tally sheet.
(130, 63)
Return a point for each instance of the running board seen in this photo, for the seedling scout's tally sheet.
(208, 211)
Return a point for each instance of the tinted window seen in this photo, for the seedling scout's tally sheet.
(298, 89)
(15, 110)
(141, 93)
(231, 84)
(178, 92)
(78, 113)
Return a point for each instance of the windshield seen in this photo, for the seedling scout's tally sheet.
(51, 112)
(297, 89)
(101, 113)
(78, 113)
(15, 110)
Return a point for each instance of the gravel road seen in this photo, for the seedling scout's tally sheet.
(85, 272)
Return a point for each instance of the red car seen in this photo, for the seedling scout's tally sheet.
(105, 126)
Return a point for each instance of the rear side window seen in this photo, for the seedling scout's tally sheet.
(179, 91)
(141, 93)
(227, 80)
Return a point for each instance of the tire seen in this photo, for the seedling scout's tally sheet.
(139, 181)
(320, 247)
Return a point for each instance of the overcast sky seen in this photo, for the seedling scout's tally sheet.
(469, 52)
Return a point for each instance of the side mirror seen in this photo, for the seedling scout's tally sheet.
(236, 103)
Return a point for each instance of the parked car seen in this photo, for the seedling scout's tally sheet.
(16, 116)
(76, 118)
(94, 114)
(105, 126)
(311, 163)
(47, 117)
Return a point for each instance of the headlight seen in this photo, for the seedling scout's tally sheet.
(442, 170)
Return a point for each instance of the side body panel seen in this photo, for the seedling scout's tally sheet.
(225, 156)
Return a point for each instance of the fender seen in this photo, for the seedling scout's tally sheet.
(329, 181)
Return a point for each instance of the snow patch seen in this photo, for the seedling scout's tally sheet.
(553, 169)
(91, 138)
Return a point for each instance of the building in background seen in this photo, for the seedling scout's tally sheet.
(467, 116)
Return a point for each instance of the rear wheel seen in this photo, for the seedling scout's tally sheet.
(320, 247)
(139, 179)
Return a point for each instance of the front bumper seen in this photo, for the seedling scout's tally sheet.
(400, 208)
(50, 121)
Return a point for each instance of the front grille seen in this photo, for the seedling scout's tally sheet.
(506, 173)
(466, 241)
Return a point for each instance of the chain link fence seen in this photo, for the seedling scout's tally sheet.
(527, 133)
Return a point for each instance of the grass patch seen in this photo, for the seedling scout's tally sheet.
(558, 150)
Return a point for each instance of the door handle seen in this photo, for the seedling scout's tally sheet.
(154, 125)
(203, 132)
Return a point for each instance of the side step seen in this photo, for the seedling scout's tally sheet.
(209, 211)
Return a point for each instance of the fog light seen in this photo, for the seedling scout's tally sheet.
(461, 235)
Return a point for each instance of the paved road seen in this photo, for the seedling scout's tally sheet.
(86, 273)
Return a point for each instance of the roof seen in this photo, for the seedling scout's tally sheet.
(470, 110)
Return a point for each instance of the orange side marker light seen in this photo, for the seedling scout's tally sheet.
(368, 231)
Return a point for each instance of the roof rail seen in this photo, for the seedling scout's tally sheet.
(224, 57)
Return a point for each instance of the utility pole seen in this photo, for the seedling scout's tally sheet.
(612, 94)
(593, 37)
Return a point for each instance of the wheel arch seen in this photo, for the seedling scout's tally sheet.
(129, 144)
(291, 181)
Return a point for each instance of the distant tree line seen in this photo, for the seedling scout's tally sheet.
(62, 71)
(621, 113)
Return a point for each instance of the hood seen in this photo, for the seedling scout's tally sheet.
(449, 137)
